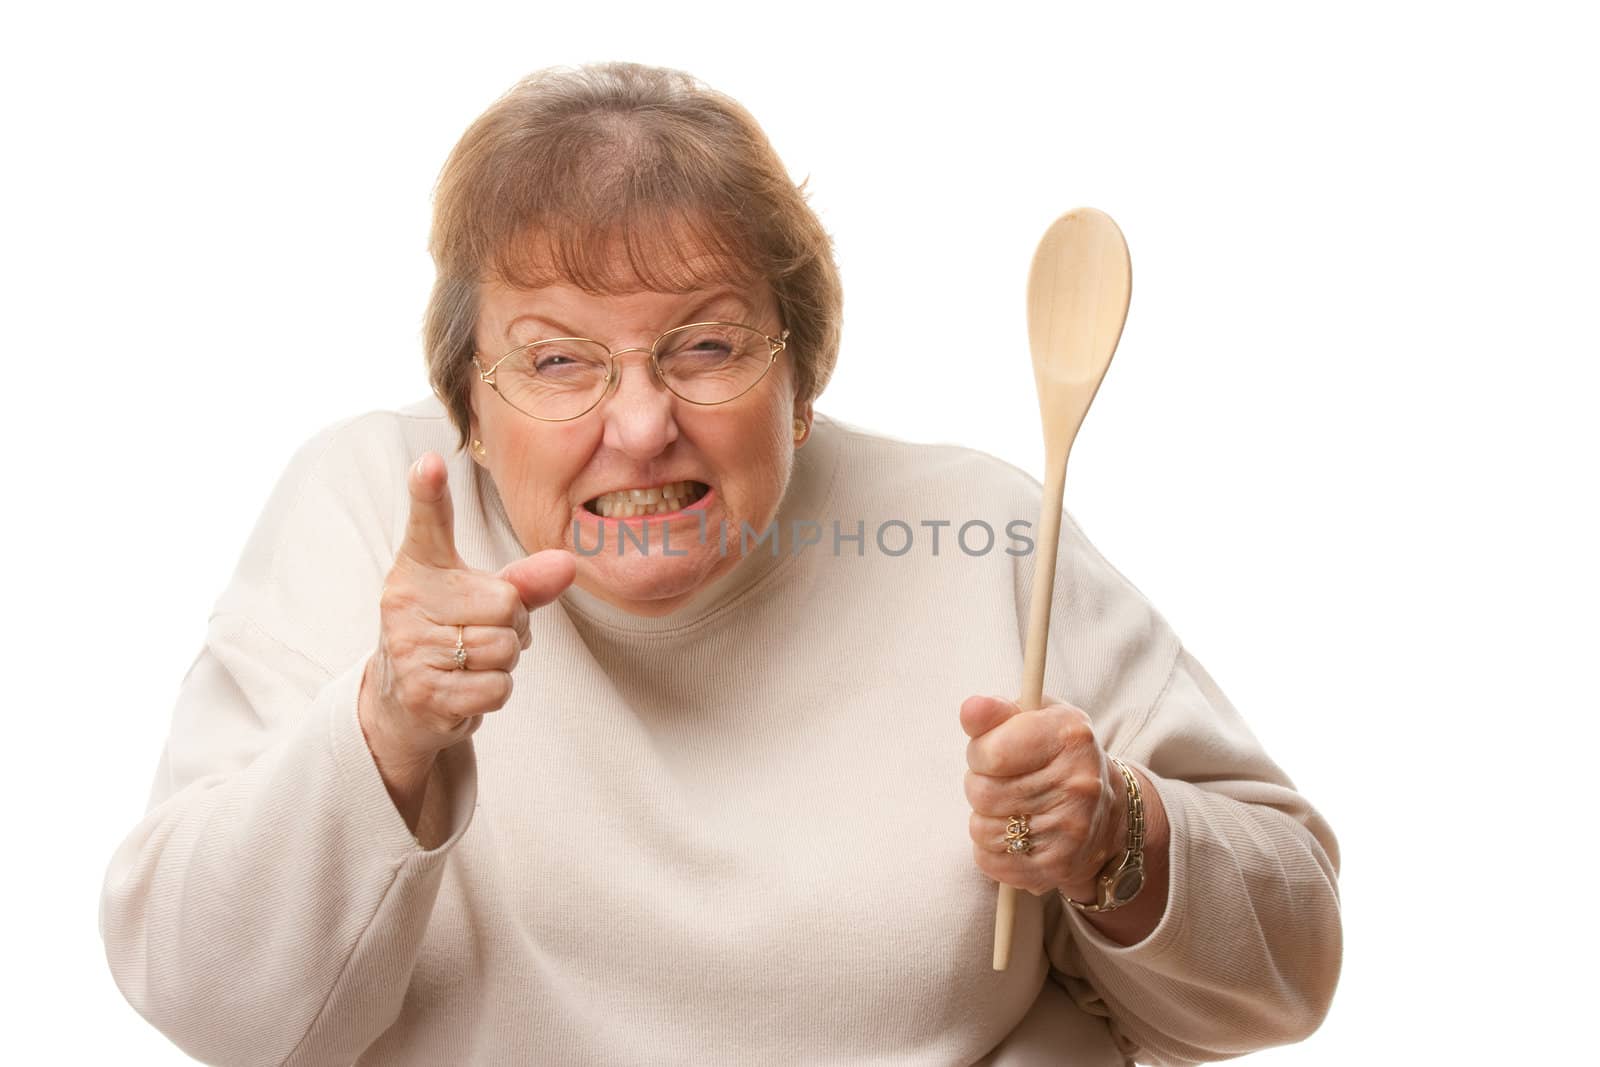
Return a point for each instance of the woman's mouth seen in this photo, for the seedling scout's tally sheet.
(637, 503)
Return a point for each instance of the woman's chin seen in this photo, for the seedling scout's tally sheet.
(647, 585)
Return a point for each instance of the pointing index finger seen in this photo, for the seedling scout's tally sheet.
(430, 528)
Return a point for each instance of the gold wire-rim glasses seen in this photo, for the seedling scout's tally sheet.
(776, 344)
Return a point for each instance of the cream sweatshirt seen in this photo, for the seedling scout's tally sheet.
(734, 835)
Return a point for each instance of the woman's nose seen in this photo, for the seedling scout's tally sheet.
(639, 413)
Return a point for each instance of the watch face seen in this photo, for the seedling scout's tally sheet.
(1128, 883)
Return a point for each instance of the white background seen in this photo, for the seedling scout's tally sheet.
(1346, 445)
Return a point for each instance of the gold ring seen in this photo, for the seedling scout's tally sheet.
(1017, 840)
(461, 648)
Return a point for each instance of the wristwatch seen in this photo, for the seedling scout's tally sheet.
(1120, 880)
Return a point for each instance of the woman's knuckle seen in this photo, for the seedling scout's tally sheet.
(972, 786)
(976, 827)
(392, 595)
(485, 694)
(408, 691)
(1075, 730)
(403, 643)
(1053, 794)
(1087, 789)
(986, 795)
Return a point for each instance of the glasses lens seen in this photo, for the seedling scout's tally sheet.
(558, 379)
(712, 362)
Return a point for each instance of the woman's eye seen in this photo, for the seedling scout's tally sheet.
(704, 348)
(563, 362)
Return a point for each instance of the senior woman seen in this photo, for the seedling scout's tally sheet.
(613, 707)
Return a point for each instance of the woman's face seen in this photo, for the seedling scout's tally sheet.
(551, 475)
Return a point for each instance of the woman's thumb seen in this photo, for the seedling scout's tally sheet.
(541, 577)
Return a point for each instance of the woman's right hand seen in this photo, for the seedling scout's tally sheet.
(414, 701)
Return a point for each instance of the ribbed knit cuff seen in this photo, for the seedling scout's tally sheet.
(369, 797)
(1169, 927)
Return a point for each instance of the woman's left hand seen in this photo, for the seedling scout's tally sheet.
(1045, 764)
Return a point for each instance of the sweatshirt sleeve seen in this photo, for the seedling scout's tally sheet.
(270, 905)
(1248, 951)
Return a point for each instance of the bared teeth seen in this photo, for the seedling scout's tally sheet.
(658, 500)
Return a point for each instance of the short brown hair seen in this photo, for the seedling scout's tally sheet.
(577, 171)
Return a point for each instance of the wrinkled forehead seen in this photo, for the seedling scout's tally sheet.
(510, 317)
(634, 278)
(667, 254)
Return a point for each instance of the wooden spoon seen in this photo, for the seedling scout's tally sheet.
(1077, 301)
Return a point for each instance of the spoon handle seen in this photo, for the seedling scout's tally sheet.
(1044, 580)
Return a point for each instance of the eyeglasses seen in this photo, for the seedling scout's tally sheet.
(565, 377)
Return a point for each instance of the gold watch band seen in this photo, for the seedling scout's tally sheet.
(1124, 872)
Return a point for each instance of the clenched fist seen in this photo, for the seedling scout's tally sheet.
(1047, 765)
